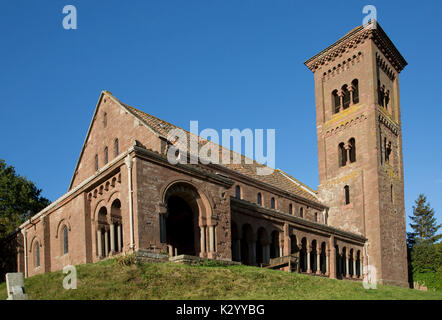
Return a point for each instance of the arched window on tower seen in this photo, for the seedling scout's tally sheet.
(272, 203)
(290, 208)
(387, 100)
(387, 149)
(347, 194)
(346, 97)
(355, 84)
(380, 94)
(116, 147)
(106, 155)
(301, 212)
(238, 192)
(96, 162)
(336, 101)
(342, 153)
(316, 217)
(105, 119)
(352, 144)
(391, 194)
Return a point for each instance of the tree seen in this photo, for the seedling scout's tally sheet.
(424, 254)
(423, 223)
(19, 200)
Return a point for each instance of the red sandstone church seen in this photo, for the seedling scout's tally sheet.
(126, 197)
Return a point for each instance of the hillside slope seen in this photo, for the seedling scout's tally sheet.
(109, 280)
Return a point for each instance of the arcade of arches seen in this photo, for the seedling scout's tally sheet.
(109, 230)
(258, 247)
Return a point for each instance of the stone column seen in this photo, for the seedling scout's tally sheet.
(351, 89)
(170, 249)
(341, 99)
(212, 238)
(347, 258)
(287, 242)
(309, 249)
(361, 267)
(203, 240)
(327, 263)
(112, 238)
(99, 244)
(332, 263)
(347, 148)
(318, 260)
(354, 266)
(119, 238)
(106, 243)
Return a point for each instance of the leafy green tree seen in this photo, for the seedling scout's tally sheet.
(19, 200)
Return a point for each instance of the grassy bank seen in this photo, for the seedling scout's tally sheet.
(108, 280)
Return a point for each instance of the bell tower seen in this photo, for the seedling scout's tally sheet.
(360, 145)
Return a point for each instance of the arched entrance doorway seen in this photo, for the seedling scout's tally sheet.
(181, 225)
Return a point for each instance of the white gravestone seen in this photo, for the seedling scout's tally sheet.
(15, 285)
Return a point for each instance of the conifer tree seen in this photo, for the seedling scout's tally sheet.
(423, 223)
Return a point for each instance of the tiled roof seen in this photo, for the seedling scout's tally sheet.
(278, 178)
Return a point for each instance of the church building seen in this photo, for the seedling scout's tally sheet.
(125, 196)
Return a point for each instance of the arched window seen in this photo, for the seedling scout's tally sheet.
(346, 97)
(316, 217)
(259, 198)
(291, 208)
(342, 152)
(301, 212)
(105, 119)
(37, 254)
(352, 144)
(347, 194)
(96, 162)
(355, 84)
(65, 240)
(391, 194)
(387, 148)
(387, 100)
(272, 203)
(116, 147)
(380, 94)
(238, 192)
(106, 155)
(336, 99)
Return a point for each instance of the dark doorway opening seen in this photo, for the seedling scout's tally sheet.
(180, 226)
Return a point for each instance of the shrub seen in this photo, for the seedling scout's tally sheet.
(125, 260)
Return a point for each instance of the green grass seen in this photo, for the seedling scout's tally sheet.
(108, 280)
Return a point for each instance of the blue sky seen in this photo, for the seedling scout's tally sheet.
(227, 64)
